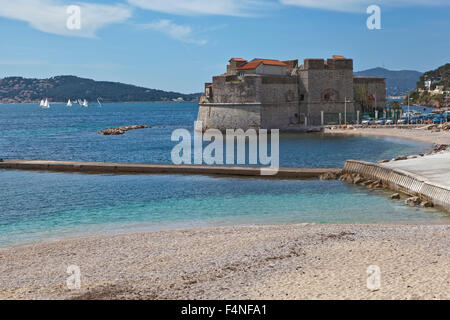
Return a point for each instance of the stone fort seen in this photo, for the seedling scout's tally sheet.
(274, 94)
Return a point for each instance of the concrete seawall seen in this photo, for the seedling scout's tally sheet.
(402, 181)
(136, 168)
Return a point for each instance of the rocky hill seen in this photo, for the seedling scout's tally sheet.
(62, 88)
(398, 83)
(436, 95)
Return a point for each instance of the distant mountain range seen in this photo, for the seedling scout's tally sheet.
(62, 88)
(398, 83)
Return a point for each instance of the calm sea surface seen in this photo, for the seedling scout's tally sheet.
(41, 205)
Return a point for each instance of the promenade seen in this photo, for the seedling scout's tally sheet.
(435, 168)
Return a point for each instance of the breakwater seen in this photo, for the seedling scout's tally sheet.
(138, 168)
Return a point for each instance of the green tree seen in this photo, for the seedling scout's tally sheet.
(362, 99)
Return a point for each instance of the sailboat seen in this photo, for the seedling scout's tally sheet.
(45, 104)
(84, 103)
(69, 103)
(99, 103)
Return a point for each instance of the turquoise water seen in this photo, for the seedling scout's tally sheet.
(38, 206)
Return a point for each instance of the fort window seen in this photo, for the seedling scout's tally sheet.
(330, 95)
(302, 97)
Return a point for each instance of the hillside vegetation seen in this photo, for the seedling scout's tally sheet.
(440, 78)
(62, 88)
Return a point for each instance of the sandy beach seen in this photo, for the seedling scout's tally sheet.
(254, 262)
(442, 137)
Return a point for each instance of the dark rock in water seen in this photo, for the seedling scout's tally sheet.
(349, 179)
(400, 158)
(427, 204)
(413, 201)
(121, 130)
(395, 196)
(357, 179)
(440, 147)
(329, 176)
(376, 185)
(383, 161)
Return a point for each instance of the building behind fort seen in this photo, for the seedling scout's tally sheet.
(273, 94)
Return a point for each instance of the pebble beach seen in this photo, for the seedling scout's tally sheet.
(248, 262)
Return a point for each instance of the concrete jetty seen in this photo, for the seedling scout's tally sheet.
(427, 177)
(138, 168)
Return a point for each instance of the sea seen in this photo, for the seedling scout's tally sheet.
(42, 206)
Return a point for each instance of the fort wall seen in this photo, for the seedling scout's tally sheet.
(326, 87)
(262, 100)
(372, 85)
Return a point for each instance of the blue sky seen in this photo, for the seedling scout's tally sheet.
(180, 44)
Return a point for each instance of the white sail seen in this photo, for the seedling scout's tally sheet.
(69, 103)
(45, 104)
(85, 103)
(99, 103)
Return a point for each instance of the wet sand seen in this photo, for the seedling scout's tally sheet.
(254, 262)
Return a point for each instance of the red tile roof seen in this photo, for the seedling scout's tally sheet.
(272, 62)
(256, 62)
(250, 65)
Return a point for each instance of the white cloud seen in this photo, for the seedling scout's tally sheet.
(204, 7)
(360, 5)
(51, 15)
(175, 31)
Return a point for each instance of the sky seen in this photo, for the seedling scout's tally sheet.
(177, 45)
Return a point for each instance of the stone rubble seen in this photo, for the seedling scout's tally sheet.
(353, 178)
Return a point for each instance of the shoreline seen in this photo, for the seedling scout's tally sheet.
(93, 101)
(302, 261)
(419, 135)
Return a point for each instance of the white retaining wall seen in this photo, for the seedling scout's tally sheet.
(403, 181)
